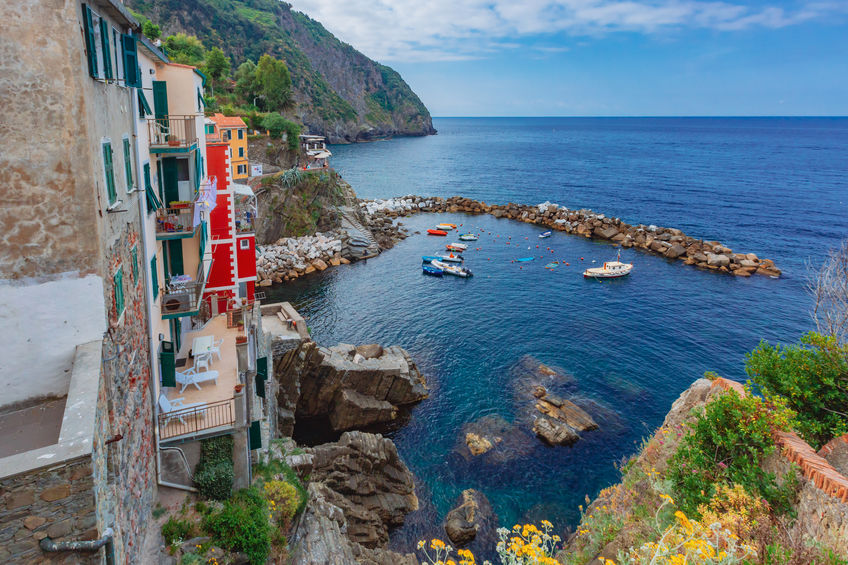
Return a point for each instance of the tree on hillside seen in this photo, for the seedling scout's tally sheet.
(184, 49)
(275, 81)
(150, 30)
(217, 64)
(829, 287)
(247, 86)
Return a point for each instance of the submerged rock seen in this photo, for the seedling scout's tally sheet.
(494, 440)
(554, 432)
(464, 522)
(477, 445)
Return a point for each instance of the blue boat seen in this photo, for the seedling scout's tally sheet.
(523, 259)
(428, 258)
(432, 271)
(544, 234)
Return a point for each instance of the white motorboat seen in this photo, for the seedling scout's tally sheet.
(610, 270)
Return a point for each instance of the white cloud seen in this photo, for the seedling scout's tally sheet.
(440, 30)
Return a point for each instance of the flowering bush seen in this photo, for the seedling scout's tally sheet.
(283, 500)
(438, 553)
(524, 545)
(736, 510)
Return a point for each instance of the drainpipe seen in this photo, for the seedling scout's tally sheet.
(106, 539)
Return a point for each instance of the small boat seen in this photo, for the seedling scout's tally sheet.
(454, 270)
(432, 271)
(437, 232)
(429, 258)
(523, 259)
(456, 247)
(545, 234)
(610, 270)
(446, 227)
(553, 265)
(450, 258)
(469, 237)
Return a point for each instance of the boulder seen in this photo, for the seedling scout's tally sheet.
(606, 232)
(353, 410)
(566, 411)
(471, 513)
(717, 260)
(370, 351)
(477, 444)
(554, 432)
(319, 264)
(675, 251)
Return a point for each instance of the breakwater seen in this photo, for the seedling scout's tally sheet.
(671, 243)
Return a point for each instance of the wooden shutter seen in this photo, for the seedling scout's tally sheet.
(90, 41)
(153, 202)
(261, 376)
(202, 238)
(160, 99)
(201, 104)
(143, 106)
(197, 171)
(175, 256)
(128, 164)
(107, 52)
(118, 283)
(134, 254)
(132, 75)
(254, 435)
(167, 363)
(110, 174)
(154, 275)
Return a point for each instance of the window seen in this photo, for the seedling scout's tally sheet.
(119, 55)
(154, 275)
(153, 202)
(201, 103)
(241, 149)
(110, 54)
(210, 129)
(241, 134)
(118, 284)
(131, 70)
(244, 243)
(242, 170)
(88, 18)
(109, 172)
(128, 164)
(134, 254)
(106, 55)
(143, 106)
(226, 135)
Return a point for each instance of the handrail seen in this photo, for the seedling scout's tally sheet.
(195, 419)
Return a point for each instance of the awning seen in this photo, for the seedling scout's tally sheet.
(242, 189)
(319, 154)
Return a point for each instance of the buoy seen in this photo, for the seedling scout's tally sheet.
(581, 258)
(568, 264)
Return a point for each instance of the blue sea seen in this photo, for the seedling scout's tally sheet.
(777, 187)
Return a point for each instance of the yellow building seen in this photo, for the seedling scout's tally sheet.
(233, 130)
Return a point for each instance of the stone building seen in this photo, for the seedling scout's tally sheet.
(77, 450)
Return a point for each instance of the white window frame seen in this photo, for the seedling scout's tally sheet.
(118, 49)
(98, 44)
(244, 243)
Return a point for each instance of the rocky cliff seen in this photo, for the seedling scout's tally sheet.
(340, 92)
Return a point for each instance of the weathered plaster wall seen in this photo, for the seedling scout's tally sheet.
(40, 325)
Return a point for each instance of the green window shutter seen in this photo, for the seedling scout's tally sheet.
(175, 256)
(143, 106)
(107, 52)
(255, 435)
(132, 75)
(261, 376)
(135, 264)
(110, 173)
(154, 275)
(90, 41)
(201, 104)
(167, 362)
(128, 164)
(153, 202)
(118, 283)
(160, 99)
(202, 238)
(241, 134)
(197, 172)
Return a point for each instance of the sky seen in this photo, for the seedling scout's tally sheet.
(605, 57)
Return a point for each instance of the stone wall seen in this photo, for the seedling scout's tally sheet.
(57, 502)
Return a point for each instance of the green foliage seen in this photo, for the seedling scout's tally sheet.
(278, 125)
(727, 444)
(246, 84)
(284, 500)
(184, 49)
(812, 377)
(158, 511)
(151, 30)
(191, 559)
(242, 525)
(214, 474)
(217, 64)
(275, 83)
(270, 472)
(175, 530)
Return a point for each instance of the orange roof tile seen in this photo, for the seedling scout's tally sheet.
(223, 121)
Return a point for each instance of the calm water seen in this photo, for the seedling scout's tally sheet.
(775, 187)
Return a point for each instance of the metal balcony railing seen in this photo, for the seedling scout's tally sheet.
(182, 296)
(174, 222)
(195, 420)
(176, 132)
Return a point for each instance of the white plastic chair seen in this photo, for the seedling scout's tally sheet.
(202, 361)
(216, 348)
(192, 377)
(169, 405)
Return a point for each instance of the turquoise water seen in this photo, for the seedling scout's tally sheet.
(776, 187)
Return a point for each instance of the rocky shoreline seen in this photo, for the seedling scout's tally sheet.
(671, 243)
(291, 257)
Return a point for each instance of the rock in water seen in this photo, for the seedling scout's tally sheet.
(477, 445)
(370, 351)
(352, 410)
(566, 411)
(554, 432)
(365, 477)
(472, 513)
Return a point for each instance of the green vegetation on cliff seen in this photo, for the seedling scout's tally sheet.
(338, 91)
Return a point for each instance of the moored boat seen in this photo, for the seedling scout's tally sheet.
(454, 270)
(524, 259)
(544, 234)
(450, 258)
(446, 227)
(456, 247)
(429, 258)
(469, 237)
(437, 232)
(610, 270)
(432, 271)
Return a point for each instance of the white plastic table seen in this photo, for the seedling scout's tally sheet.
(202, 344)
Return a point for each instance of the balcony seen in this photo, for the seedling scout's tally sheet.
(172, 134)
(182, 295)
(244, 211)
(175, 223)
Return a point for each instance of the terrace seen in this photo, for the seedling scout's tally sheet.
(172, 134)
(214, 405)
(182, 295)
(176, 222)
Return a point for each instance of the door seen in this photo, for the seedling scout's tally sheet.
(184, 180)
(176, 338)
(175, 256)
(170, 178)
(160, 110)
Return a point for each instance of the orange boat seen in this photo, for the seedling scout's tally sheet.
(437, 232)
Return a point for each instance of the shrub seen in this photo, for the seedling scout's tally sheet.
(274, 468)
(813, 377)
(216, 449)
(242, 525)
(735, 509)
(175, 530)
(726, 445)
(191, 559)
(283, 499)
(215, 481)
(278, 125)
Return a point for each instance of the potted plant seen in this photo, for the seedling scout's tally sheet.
(241, 339)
